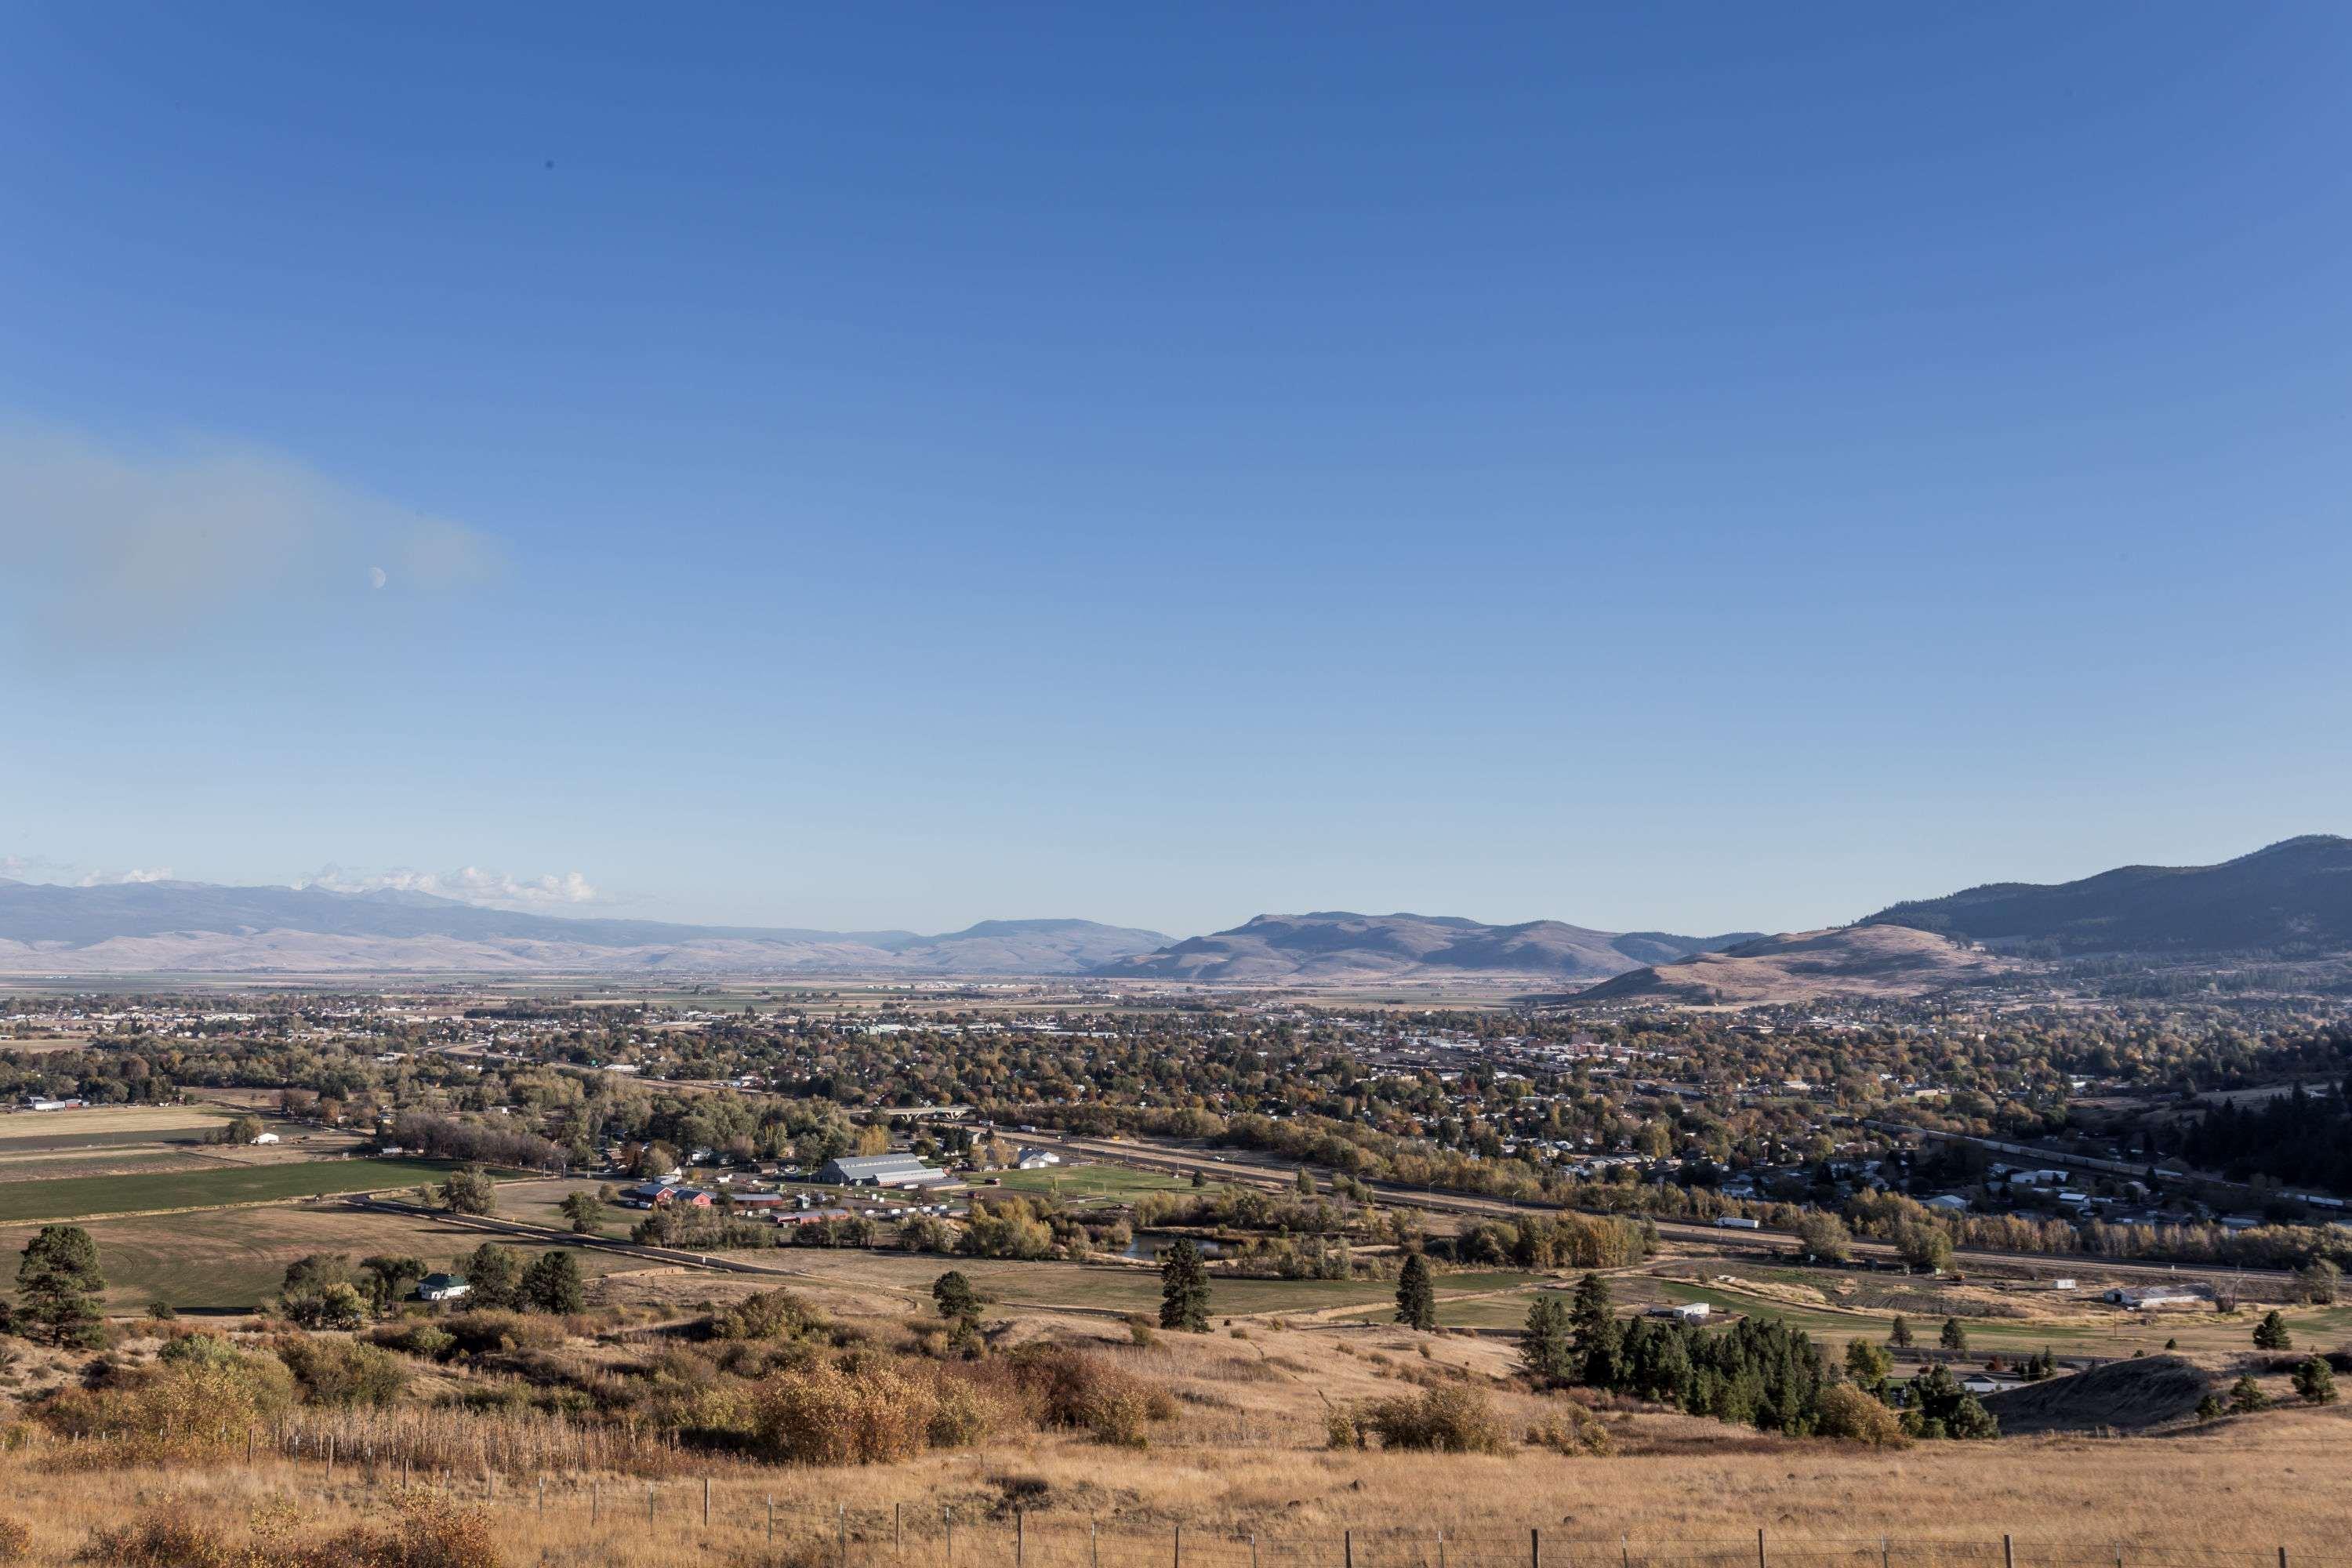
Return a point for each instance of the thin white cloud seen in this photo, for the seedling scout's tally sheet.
(41, 868)
(153, 543)
(469, 884)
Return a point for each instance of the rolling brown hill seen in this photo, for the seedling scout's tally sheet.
(1855, 960)
(1335, 946)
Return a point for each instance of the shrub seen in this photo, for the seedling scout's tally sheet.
(769, 1315)
(1342, 1430)
(342, 1372)
(419, 1340)
(1848, 1413)
(825, 1416)
(166, 1537)
(1573, 1430)
(1451, 1419)
(16, 1539)
(1090, 1394)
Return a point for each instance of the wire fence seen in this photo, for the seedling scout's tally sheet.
(729, 1520)
(725, 1515)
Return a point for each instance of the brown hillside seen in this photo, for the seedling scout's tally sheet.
(1865, 961)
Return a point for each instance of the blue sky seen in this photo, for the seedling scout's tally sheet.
(1703, 466)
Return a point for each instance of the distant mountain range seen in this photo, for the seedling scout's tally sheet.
(2291, 900)
(1334, 946)
(194, 927)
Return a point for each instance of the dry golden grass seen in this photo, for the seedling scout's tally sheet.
(2235, 1492)
(1246, 1455)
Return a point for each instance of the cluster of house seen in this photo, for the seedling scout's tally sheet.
(896, 1171)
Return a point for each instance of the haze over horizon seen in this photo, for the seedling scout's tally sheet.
(893, 472)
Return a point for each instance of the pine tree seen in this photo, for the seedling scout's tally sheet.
(1899, 1335)
(493, 1278)
(1306, 1182)
(1592, 1323)
(952, 1293)
(60, 1282)
(2246, 1396)
(553, 1284)
(1547, 1352)
(1416, 1297)
(2210, 1408)
(2314, 1380)
(2270, 1334)
(1183, 1288)
(1953, 1336)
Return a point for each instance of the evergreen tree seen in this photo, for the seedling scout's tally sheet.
(2246, 1396)
(1592, 1322)
(493, 1278)
(2314, 1380)
(553, 1284)
(2271, 1333)
(585, 1210)
(60, 1282)
(1940, 1407)
(1183, 1288)
(958, 1302)
(1899, 1335)
(2210, 1408)
(1953, 1336)
(1306, 1182)
(1416, 1297)
(1549, 1351)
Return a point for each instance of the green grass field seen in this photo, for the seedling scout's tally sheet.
(77, 1197)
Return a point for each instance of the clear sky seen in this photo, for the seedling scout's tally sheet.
(1699, 467)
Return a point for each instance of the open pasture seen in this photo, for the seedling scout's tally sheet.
(77, 1197)
(113, 1124)
(232, 1259)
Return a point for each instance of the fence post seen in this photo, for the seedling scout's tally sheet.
(843, 1516)
(592, 1491)
(542, 1497)
(1535, 1547)
(771, 1516)
(706, 1502)
(1759, 1547)
(1020, 1537)
(950, 1551)
(1180, 1546)
(1883, 1556)
(1625, 1548)
(1094, 1543)
(1253, 1549)
(1441, 1549)
(2007, 1553)
(649, 1502)
(1348, 1549)
(899, 1528)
